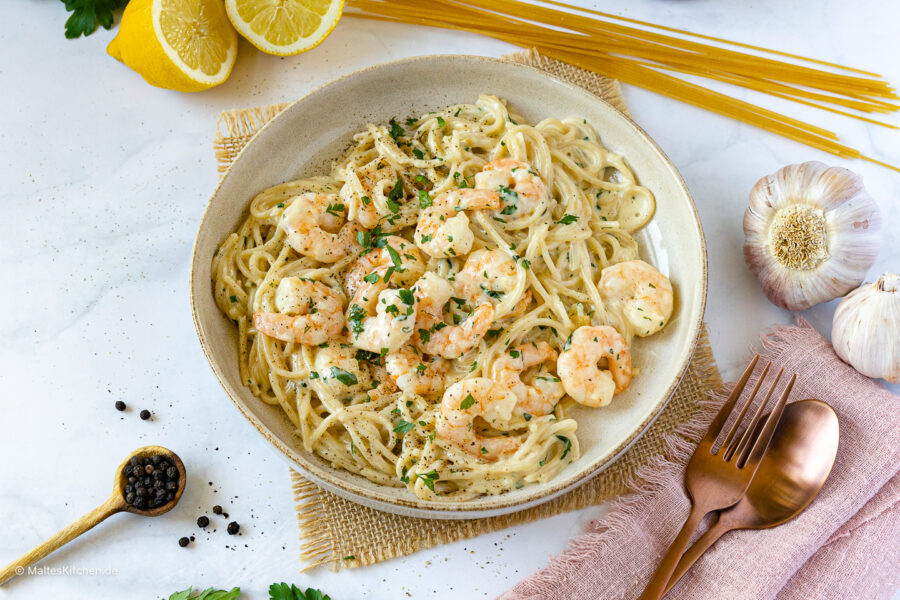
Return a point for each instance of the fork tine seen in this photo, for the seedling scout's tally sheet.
(716, 426)
(726, 445)
(762, 442)
(746, 438)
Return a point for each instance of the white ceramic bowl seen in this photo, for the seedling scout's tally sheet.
(307, 136)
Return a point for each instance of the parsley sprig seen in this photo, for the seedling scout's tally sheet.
(88, 15)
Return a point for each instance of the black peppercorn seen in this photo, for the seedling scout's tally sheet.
(170, 496)
(172, 472)
(139, 502)
(233, 528)
(145, 414)
(135, 461)
(217, 509)
(129, 497)
(183, 542)
(203, 521)
(120, 405)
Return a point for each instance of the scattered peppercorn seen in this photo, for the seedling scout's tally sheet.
(150, 486)
(120, 405)
(203, 521)
(217, 509)
(183, 542)
(145, 414)
(233, 528)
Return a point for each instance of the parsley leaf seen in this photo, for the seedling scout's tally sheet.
(418, 153)
(87, 15)
(467, 402)
(281, 591)
(424, 199)
(568, 444)
(396, 130)
(429, 478)
(207, 594)
(403, 427)
(345, 377)
(567, 219)
(406, 296)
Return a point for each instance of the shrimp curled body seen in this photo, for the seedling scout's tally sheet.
(521, 190)
(537, 393)
(435, 337)
(416, 373)
(380, 319)
(391, 251)
(579, 366)
(315, 227)
(644, 293)
(443, 228)
(310, 313)
(477, 397)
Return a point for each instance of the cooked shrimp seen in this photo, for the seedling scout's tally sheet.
(343, 374)
(392, 251)
(443, 228)
(309, 313)
(538, 391)
(315, 227)
(381, 319)
(435, 337)
(488, 276)
(581, 366)
(367, 191)
(520, 188)
(416, 373)
(477, 397)
(644, 292)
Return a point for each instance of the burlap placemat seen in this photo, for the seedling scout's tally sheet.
(342, 534)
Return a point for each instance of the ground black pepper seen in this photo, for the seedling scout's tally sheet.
(152, 481)
(120, 405)
(233, 528)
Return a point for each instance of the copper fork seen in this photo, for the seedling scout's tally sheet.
(718, 480)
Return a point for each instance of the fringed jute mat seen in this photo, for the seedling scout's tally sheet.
(342, 534)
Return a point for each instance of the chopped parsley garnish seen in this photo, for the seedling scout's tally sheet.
(424, 335)
(425, 238)
(515, 353)
(396, 130)
(567, 219)
(345, 377)
(441, 121)
(406, 296)
(394, 195)
(371, 277)
(418, 153)
(335, 209)
(429, 478)
(467, 402)
(424, 199)
(355, 318)
(403, 427)
(526, 416)
(233, 298)
(364, 238)
(568, 343)
(568, 444)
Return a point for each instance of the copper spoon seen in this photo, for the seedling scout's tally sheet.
(790, 475)
(115, 504)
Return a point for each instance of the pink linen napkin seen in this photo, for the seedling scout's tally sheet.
(845, 545)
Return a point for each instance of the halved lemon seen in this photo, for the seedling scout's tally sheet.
(184, 45)
(284, 27)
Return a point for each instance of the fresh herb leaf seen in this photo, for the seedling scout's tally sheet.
(424, 199)
(88, 15)
(568, 444)
(335, 209)
(396, 130)
(345, 377)
(403, 427)
(282, 591)
(406, 296)
(207, 594)
(441, 121)
(567, 219)
(526, 416)
(371, 277)
(418, 153)
(355, 318)
(429, 478)
(467, 402)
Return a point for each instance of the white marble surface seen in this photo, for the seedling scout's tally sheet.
(104, 181)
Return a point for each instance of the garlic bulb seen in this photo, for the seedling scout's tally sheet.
(866, 328)
(811, 233)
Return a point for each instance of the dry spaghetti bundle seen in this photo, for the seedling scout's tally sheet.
(650, 56)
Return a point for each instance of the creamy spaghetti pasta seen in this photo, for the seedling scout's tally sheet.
(411, 312)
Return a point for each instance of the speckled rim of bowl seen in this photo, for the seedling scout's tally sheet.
(493, 505)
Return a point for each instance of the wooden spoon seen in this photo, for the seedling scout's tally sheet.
(115, 504)
(790, 475)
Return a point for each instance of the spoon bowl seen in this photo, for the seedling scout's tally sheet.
(121, 481)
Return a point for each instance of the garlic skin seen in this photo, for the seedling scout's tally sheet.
(810, 234)
(866, 328)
